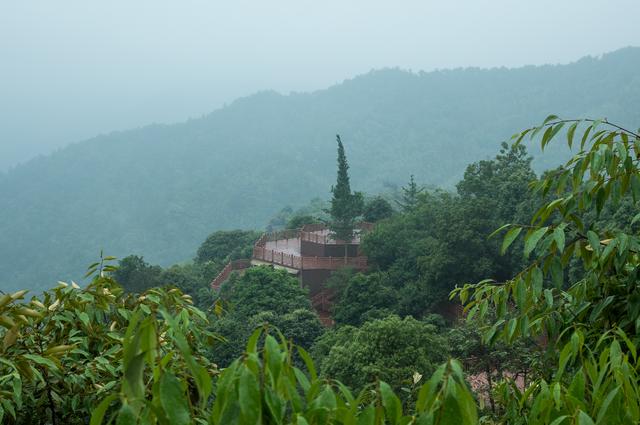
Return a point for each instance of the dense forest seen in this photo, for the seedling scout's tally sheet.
(545, 266)
(159, 190)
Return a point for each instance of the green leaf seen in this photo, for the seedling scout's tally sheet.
(558, 236)
(604, 407)
(594, 241)
(571, 133)
(550, 118)
(585, 136)
(249, 397)
(133, 373)
(301, 420)
(584, 419)
(635, 187)
(559, 420)
(99, 411)
(41, 361)
(577, 387)
(126, 416)
(308, 363)
(509, 238)
(391, 403)
(498, 230)
(367, 416)
(532, 240)
(511, 328)
(548, 297)
(173, 400)
(557, 273)
(520, 293)
(536, 281)
(550, 133)
(84, 318)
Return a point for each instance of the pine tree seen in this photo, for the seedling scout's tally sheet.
(409, 197)
(346, 206)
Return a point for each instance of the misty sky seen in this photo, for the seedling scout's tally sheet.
(72, 69)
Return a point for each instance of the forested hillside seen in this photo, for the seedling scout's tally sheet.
(549, 334)
(160, 190)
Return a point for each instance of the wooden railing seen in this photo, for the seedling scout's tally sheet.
(307, 263)
(227, 270)
(313, 227)
(308, 233)
(310, 236)
(325, 239)
(282, 235)
(277, 257)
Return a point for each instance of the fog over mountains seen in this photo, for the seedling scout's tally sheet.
(159, 190)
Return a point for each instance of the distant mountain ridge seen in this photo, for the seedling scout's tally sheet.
(159, 190)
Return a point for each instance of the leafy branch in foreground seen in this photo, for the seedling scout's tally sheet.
(590, 325)
(62, 353)
(265, 386)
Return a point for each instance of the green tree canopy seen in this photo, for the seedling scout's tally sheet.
(263, 294)
(390, 349)
(364, 297)
(227, 245)
(299, 220)
(377, 209)
(442, 240)
(136, 275)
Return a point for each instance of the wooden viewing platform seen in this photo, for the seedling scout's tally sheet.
(290, 249)
(310, 253)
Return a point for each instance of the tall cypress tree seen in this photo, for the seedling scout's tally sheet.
(409, 197)
(346, 206)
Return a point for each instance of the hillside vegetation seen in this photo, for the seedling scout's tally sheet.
(159, 190)
(552, 316)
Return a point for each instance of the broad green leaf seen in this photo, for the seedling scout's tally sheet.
(559, 420)
(249, 397)
(604, 407)
(97, 415)
(511, 235)
(174, 400)
(498, 230)
(126, 416)
(536, 281)
(548, 296)
(584, 419)
(41, 361)
(391, 403)
(558, 237)
(571, 132)
(532, 240)
(594, 241)
(549, 119)
(308, 363)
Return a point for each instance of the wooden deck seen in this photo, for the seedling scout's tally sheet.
(283, 249)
